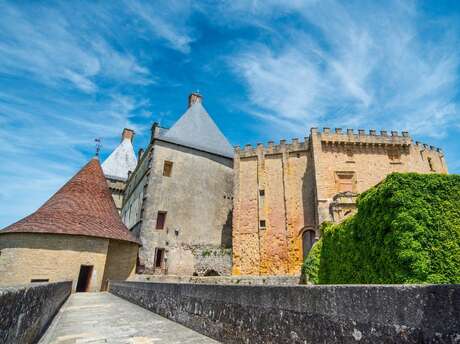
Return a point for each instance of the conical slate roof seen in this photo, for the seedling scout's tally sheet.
(83, 206)
(120, 161)
(196, 129)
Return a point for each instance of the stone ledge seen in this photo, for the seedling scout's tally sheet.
(26, 311)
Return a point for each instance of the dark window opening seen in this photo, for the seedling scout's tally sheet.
(262, 224)
(39, 280)
(161, 219)
(159, 257)
(261, 198)
(84, 278)
(211, 272)
(167, 168)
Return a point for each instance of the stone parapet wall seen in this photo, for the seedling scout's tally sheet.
(238, 280)
(306, 314)
(361, 137)
(26, 311)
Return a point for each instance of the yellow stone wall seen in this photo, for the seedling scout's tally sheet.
(286, 206)
(27, 256)
(121, 261)
(300, 180)
(368, 158)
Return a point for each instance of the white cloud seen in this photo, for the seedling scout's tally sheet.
(166, 20)
(365, 65)
(42, 43)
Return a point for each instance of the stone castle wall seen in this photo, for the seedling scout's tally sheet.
(285, 191)
(56, 257)
(366, 157)
(120, 263)
(273, 205)
(198, 215)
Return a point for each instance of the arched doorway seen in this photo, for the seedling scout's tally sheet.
(308, 239)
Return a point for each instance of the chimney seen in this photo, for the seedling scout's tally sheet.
(127, 134)
(154, 131)
(193, 98)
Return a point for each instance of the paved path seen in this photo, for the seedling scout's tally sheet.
(96, 318)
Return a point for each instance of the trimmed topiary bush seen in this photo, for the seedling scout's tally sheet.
(406, 230)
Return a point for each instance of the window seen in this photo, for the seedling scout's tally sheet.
(39, 280)
(167, 168)
(262, 224)
(261, 198)
(345, 181)
(161, 219)
(395, 156)
(159, 257)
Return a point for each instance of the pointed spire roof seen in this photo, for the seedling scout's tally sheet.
(122, 159)
(196, 129)
(83, 206)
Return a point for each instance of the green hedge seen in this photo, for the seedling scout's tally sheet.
(406, 230)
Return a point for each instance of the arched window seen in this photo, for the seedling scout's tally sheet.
(308, 239)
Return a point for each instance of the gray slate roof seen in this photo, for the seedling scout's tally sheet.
(120, 161)
(196, 129)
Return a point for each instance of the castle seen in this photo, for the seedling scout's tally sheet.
(192, 197)
(194, 205)
(284, 192)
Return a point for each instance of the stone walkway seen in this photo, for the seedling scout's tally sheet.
(96, 318)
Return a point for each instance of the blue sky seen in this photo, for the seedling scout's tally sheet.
(71, 71)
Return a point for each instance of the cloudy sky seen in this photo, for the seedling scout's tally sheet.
(72, 71)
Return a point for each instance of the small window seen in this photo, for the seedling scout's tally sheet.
(261, 198)
(159, 257)
(39, 280)
(161, 219)
(345, 181)
(167, 168)
(262, 224)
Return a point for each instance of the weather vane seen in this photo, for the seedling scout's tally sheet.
(98, 145)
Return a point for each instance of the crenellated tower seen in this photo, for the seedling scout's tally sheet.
(284, 191)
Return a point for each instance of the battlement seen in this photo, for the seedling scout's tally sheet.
(271, 148)
(361, 137)
(337, 136)
(424, 147)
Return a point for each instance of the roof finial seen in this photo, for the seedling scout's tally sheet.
(98, 145)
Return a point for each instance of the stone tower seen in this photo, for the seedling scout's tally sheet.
(118, 165)
(76, 235)
(178, 200)
(283, 192)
